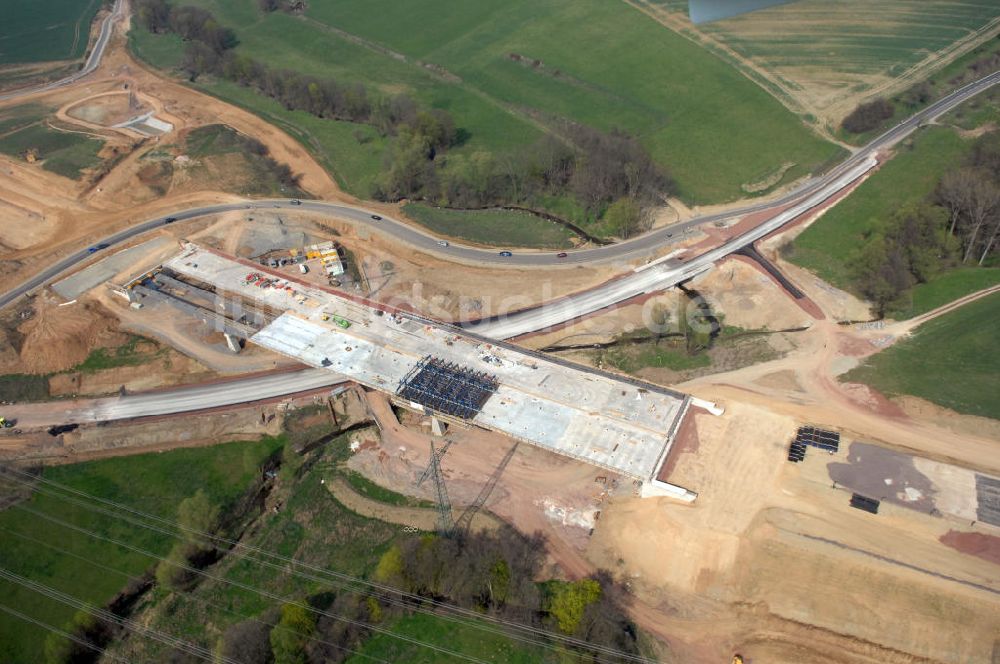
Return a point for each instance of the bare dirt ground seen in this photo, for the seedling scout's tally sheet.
(423, 281)
(149, 435)
(64, 213)
(752, 566)
(768, 561)
(55, 338)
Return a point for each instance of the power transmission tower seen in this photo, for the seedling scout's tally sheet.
(430, 466)
(445, 524)
(464, 521)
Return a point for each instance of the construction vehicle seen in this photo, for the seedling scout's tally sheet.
(5, 423)
(737, 659)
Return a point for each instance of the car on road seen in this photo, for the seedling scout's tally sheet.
(562, 254)
(506, 254)
(376, 217)
(296, 201)
(170, 220)
(443, 243)
(98, 247)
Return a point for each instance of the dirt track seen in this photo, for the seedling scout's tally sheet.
(737, 570)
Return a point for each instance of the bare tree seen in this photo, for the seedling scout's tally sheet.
(983, 207)
(953, 194)
(992, 239)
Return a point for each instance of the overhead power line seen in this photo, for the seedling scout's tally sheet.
(389, 594)
(249, 588)
(102, 614)
(189, 594)
(55, 630)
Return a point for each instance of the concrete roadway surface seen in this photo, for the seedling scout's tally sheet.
(639, 281)
(93, 60)
(652, 278)
(175, 400)
(641, 246)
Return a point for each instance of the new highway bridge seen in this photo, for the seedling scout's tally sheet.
(810, 194)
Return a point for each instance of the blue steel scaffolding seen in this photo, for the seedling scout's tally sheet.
(448, 388)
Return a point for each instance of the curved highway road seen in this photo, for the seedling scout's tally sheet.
(93, 60)
(636, 247)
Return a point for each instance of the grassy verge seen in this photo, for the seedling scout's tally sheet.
(831, 245)
(369, 489)
(132, 353)
(24, 387)
(946, 288)
(35, 387)
(433, 630)
(493, 227)
(243, 158)
(979, 111)
(153, 483)
(951, 360)
(668, 353)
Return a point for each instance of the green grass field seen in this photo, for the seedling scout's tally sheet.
(981, 110)
(853, 36)
(429, 629)
(951, 360)
(946, 288)
(153, 483)
(67, 154)
(351, 153)
(33, 31)
(365, 487)
(821, 52)
(604, 64)
(950, 77)
(129, 354)
(667, 354)
(829, 246)
(493, 227)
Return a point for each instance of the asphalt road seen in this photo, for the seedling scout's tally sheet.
(641, 246)
(93, 60)
(809, 194)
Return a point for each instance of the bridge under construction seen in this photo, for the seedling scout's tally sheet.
(624, 425)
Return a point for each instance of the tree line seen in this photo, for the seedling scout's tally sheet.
(209, 51)
(959, 224)
(874, 114)
(492, 573)
(609, 174)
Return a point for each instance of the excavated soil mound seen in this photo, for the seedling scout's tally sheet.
(108, 109)
(58, 338)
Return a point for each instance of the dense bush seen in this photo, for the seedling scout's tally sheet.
(596, 168)
(868, 116)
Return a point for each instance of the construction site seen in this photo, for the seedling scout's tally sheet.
(619, 424)
(812, 519)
